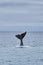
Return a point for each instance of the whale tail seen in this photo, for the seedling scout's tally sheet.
(21, 36)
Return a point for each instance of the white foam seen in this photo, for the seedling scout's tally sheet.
(23, 46)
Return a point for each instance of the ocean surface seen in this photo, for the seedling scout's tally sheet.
(12, 55)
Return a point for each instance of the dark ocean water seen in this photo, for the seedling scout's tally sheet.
(11, 55)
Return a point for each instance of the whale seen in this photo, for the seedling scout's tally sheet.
(20, 37)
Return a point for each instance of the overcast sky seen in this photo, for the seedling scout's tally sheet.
(23, 13)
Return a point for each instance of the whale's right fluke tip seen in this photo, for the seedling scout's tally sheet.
(23, 34)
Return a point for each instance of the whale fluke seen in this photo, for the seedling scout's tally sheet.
(21, 36)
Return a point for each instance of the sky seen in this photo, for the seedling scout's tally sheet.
(18, 15)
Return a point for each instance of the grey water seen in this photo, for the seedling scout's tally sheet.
(12, 55)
